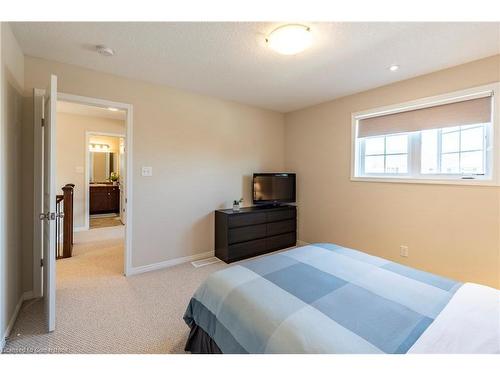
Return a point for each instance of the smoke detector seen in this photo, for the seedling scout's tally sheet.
(105, 51)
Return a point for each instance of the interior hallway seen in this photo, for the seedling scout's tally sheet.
(101, 311)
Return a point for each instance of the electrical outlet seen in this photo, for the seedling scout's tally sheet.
(403, 251)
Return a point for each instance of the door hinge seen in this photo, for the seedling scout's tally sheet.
(43, 122)
(41, 262)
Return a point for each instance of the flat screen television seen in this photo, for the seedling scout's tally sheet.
(273, 188)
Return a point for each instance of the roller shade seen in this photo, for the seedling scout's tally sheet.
(467, 112)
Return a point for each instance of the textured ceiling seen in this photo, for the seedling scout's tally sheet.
(231, 60)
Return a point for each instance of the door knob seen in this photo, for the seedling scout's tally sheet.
(47, 216)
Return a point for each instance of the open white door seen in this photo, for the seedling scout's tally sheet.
(48, 215)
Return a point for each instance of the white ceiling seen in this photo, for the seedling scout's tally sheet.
(231, 60)
(87, 110)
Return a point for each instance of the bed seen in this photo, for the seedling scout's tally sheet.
(324, 298)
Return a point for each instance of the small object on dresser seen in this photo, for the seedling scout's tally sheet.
(236, 204)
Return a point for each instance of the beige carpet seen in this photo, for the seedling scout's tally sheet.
(101, 311)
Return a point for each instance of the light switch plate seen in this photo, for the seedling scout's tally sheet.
(147, 171)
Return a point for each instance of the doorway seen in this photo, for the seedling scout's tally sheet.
(80, 169)
(105, 181)
(121, 159)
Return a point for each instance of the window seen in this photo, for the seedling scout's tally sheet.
(456, 150)
(386, 154)
(440, 139)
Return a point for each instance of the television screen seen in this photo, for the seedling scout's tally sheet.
(273, 188)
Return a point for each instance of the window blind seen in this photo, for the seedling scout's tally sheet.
(466, 112)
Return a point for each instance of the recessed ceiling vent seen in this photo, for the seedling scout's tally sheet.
(105, 51)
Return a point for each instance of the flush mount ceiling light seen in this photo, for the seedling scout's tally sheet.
(393, 67)
(105, 51)
(290, 39)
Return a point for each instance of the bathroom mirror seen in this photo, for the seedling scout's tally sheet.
(102, 164)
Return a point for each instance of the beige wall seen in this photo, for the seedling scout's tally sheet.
(202, 150)
(11, 159)
(450, 230)
(70, 153)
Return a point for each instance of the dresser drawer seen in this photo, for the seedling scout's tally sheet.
(246, 249)
(246, 219)
(281, 215)
(280, 227)
(281, 241)
(242, 234)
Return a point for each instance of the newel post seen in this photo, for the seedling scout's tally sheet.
(68, 220)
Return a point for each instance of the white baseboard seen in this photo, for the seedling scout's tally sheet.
(177, 261)
(169, 263)
(25, 296)
(28, 295)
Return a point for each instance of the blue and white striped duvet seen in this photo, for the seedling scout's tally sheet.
(319, 298)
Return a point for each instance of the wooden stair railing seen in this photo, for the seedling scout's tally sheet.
(59, 208)
(64, 248)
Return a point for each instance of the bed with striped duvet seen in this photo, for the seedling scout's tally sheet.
(320, 298)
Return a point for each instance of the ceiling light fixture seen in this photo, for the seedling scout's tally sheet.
(290, 39)
(105, 51)
(393, 67)
(98, 147)
(112, 109)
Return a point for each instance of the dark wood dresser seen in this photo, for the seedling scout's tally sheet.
(104, 199)
(253, 231)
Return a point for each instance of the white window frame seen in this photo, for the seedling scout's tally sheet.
(492, 160)
(362, 155)
(487, 157)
